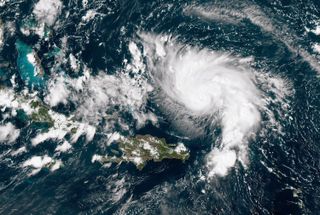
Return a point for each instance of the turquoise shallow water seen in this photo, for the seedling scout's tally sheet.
(26, 69)
(283, 173)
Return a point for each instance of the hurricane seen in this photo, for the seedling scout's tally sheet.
(210, 86)
(159, 107)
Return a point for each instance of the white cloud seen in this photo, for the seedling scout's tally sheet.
(47, 11)
(8, 133)
(58, 92)
(211, 87)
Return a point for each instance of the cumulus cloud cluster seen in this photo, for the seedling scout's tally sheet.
(8, 133)
(47, 11)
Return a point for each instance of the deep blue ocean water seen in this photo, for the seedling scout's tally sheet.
(168, 187)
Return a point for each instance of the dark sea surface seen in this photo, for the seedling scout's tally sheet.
(283, 176)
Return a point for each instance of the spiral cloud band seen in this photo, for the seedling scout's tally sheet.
(208, 84)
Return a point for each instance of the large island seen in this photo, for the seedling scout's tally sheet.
(143, 148)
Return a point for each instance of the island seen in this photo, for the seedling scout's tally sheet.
(143, 148)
